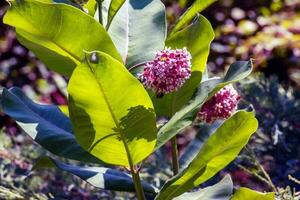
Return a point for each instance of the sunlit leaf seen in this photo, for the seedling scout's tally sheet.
(91, 7)
(111, 112)
(114, 7)
(58, 34)
(219, 150)
(197, 7)
(247, 194)
(184, 117)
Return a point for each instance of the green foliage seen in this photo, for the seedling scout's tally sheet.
(114, 7)
(185, 117)
(219, 150)
(100, 177)
(134, 22)
(197, 7)
(91, 6)
(111, 114)
(45, 124)
(116, 123)
(196, 38)
(220, 191)
(247, 194)
(49, 31)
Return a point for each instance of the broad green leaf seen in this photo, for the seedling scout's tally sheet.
(197, 7)
(219, 150)
(58, 33)
(220, 191)
(114, 7)
(247, 194)
(197, 38)
(100, 177)
(139, 30)
(112, 114)
(184, 117)
(203, 133)
(45, 124)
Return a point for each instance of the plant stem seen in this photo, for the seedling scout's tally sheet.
(137, 183)
(99, 3)
(261, 168)
(175, 162)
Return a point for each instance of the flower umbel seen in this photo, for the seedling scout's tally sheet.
(168, 71)
(221, 106)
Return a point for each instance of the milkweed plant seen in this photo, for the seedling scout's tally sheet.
(126, 69)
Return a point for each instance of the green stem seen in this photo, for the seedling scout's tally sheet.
(175, 162)
(99, 3)
(137, 184)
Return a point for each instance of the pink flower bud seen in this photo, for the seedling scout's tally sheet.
(221, 106)
(168, 71)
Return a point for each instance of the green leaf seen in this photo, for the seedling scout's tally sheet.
(100, 177)
(58, 33)
(203, 133)
(247, 194)
(197, 7)
(114, 7)
(139, 30)
(91, 7)
(220, 191)
(219, 150)
(197, 38)
(184, 117)
(111, 112)
(45, 124)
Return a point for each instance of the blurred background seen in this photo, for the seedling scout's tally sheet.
(266, 30)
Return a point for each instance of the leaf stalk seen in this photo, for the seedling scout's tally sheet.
(175, 161)
(137, 183)
(99, 3)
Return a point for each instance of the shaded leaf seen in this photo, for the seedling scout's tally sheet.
(45, 124)
(184, 117)
(58, 33)
(112, 116)
(100, 177)
(220, 191)
(139, 30)
(219, 150)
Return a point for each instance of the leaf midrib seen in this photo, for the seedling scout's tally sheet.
(112, 114)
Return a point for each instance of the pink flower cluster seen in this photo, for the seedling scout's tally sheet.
(221, 106)
(168, 71)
